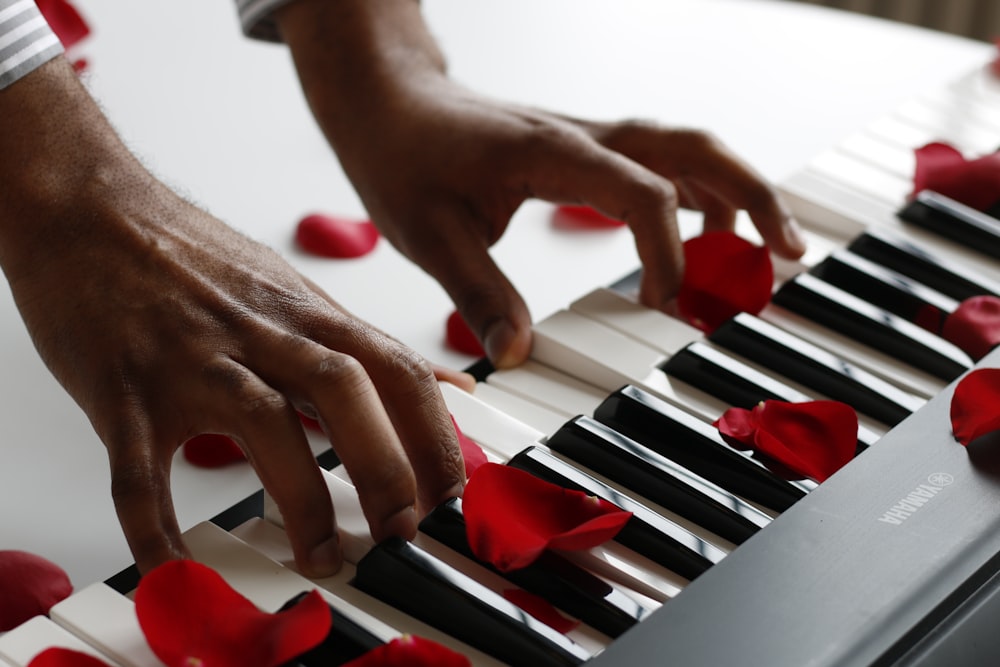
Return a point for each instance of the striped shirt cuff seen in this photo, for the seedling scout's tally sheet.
(257, 19)
(26, 41)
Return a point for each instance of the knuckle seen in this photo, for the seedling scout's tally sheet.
(338, 372)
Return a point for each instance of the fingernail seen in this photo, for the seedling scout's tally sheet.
(793, 235)
(325, 558)
(505, 345)
(402, 524)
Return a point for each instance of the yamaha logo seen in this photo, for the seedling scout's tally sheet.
(917, 498)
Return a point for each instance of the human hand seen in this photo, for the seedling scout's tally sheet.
(164, 323)
(442, 169)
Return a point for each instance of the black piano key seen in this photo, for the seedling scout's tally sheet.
(647, 532)
(561, 582)
(899, 254)
(696, 445)
(886, 289)
(346, 640)
(734, 382)
(952, 220)
(656, 477)
(413, 581)
(833, 307)
(814, 367)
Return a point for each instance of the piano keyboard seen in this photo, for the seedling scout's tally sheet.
(892, 561)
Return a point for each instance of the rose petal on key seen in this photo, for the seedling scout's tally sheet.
(460, 338)
(29, 586)
(540, 609)
(211, 450)
(580, 218)
(995, 63)
(974, 326)
(328, 236)
(191, 617)
(724, 275)
(65, 21)
(814, 439)
(310, 423)
(410, 651)
(512, 516)
(472, 453)
(974, 404)
(942, 168)
(57, 656)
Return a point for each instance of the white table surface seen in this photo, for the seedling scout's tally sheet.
(221, 118)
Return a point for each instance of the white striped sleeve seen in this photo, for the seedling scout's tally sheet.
(26, 41)
(257, 20)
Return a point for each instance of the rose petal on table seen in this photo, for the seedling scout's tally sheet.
(211, 450)
(974, 326)
(540, 609)
(581, 218)
(512, 516)
(58, 656)
(338, 238)
(814, 439)
(974, 405)
(410, 651)
(29, 586)
(942, 168)
(724, 275)
(65, 21)
(472, 453)
(191, 616)
(460, 338)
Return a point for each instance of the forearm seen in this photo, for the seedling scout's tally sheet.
(356, 57)
(62, 163)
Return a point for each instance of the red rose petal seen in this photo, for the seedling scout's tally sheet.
(974, 326)
(582, 218)
(310, 423)
(724, 275)
(64, 657)
(472, 453)
(328, 236)
(64, 20)
(410, 651)
(995, 63)
(29, 586)
(541, 609)
(814, 439)
(211, 450)
(943, 169)
(191, 616)
(512, 516)
(460, 338)
(974, 404)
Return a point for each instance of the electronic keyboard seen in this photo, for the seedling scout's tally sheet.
(894, 560)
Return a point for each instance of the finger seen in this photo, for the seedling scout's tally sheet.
(140, 489)
(406, 385)
(573, 167)
(272, 438)
(717, 215)
(464, 381)
(703, 160)
(482, 294)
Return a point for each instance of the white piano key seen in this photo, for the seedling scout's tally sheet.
(965, 108)
(862, 177)
(844, 214)
(879, 152)
(23, 643)
(608, 359)
(543, 385)
(945, 125)
(530, 412)
(105, 619)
